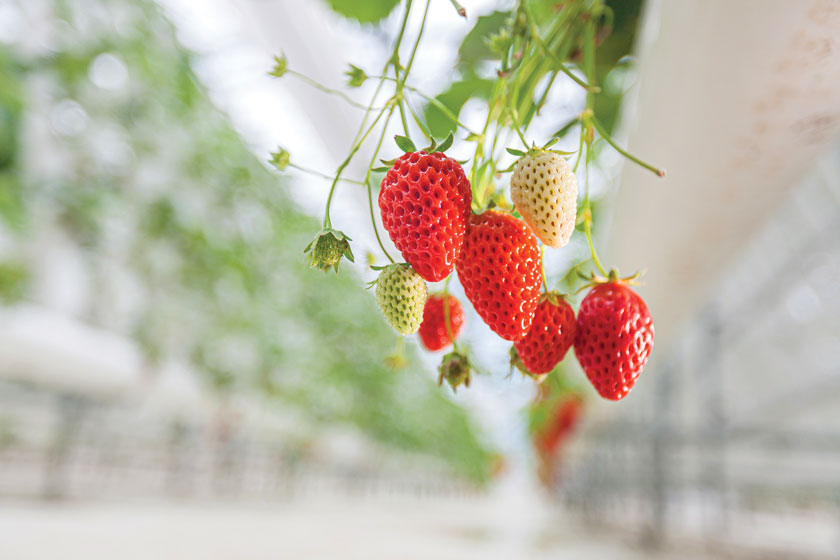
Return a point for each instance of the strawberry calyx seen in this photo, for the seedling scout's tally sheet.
(593, 279)
(516, 362)
(553, 297)
(327, 248)
(455, 368)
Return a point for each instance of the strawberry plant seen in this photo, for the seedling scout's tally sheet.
(444, 215)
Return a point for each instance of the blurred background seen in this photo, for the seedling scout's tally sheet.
(176, 382)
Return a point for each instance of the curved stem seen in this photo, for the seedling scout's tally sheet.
(517, 128)
(317, 173)
(361, 136)
(435, 102)
(587, 218)
(370, 187)
(345, 163)
(401, 84)
(423, 128)
(542, 266)
(602, 131)
(535, 34)
(325, 89)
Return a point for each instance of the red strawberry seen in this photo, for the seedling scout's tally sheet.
(499, 268)
(550, 337)
(561, 425)
(425, 204)
(614, 338)
(433, 332)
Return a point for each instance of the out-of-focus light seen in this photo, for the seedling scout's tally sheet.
(68, 118)
(11, 23)
(803, 304)
(108, 72)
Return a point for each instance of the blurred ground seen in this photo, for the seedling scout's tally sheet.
(403, 528)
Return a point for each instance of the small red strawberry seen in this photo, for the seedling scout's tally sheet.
(614, 338)
(550, 337)
(433, 332)
(425, 205)
(562, 423)
(499, 268)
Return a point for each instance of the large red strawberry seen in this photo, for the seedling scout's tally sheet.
(499, 268)
(614, 338)
(550, 337)
(425, 204)
(433, 332)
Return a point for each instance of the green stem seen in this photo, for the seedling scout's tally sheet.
(441, 107)
(401, 84)
(587, 217)
(325, 89)
(602, 131)
(423, 128)
(317, 173)
(589, 69)
(542, 266)
(370, 187)
(403, 119)
(580, 147)
(516, 127)
(360, 135)
(345, 163)
(535, 33)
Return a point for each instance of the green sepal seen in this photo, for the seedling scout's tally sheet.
(327, 248)
(280, 66)
(455, 368)
(383, 169)
(280, 159)
(355, 76)
(515, 152)
(446, 144)
(404, 143)
(516, 363)
(473, 137)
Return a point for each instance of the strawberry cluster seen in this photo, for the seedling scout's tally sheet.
(425, 201)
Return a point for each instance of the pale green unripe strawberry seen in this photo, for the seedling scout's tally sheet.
(544, 189)
(401, 295)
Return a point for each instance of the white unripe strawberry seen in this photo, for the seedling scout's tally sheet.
(544, 189)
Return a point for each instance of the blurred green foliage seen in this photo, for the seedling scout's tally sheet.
(364, 11)
(146, 176)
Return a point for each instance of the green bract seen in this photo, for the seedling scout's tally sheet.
(455, 369)
(401, 295)
(326, 250)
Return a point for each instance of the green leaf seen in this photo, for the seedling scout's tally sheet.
(280, 66)
(355, 76)
(515, 152)
(446, 144)
(363, 11)
(280, 159)
(473, 137)
(474, 48)
(405, 143)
